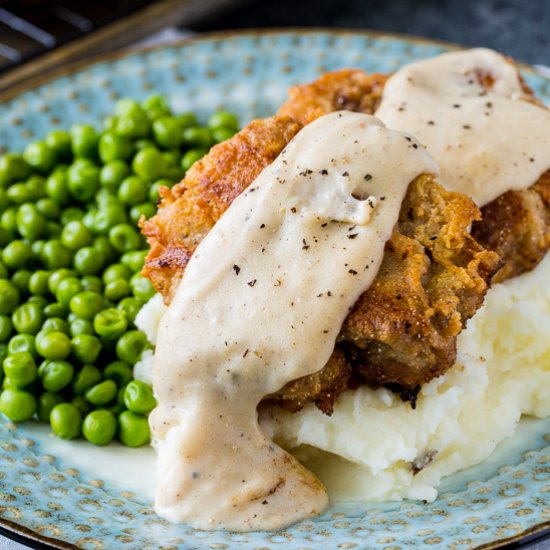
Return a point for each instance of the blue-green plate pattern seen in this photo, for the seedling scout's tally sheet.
(45, 499)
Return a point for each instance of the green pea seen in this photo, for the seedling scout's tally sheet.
(124, 238)
(36, 187)
(167, 132)
(103, 244)
(4, 273)
(5, 236)
(38, 283)
(197, 137)
(120, 372)
(40, 300)
(17, 254)
(36, 248)
(68, 288)
(83, 181)
(66, 421)
(20, 368)
(132, 190)
(110, 324)
(6, 328)
(21, 280)
(134, 260)
(86, 348)
(56, 375)
(130, 307)
(187, 120)
(48, 208)
(133, 429)
(17, 405)
(156, 106)
(87, 377)
(130, 346)
(142, 287)
(57, 188)
(101, 393)
(55, 310)
(55, 255)
(117, 290)
(113, 173)
(88, 260)
(100, 427)
(190, 157)
(40, 156)
(154, 191)
(131, 120)
(81, 326)
(116, 271)
(18, 193)
(79, 401)
(141, 144)
(172, 158)
(46, 402)
(55, 324)
(114, 147)
(145, 210)
(28, 318)
(108, 216)
(57, 276)
(13, 167)
(221, 134)
(53, 230)
(139, 398)
(76, 235)
(9, 297)
(22, 343)
(53, 345)
(86, 304)
(8, 220)
(60, 142)
(148, 164)
(70, 214)
(92, 282)
(84, 140)
(223, 119)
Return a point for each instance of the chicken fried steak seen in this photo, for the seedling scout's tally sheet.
(402, 331)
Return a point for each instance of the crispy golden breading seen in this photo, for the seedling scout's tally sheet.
(402, 331)
(516, 225)
(189, 210)
(348, 90)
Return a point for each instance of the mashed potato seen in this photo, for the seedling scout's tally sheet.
(376, 447)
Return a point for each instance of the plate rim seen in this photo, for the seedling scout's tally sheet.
(21, 533)
(81, 64)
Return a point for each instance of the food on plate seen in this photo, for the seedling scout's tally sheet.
(70, 259)
(486, 152)
(465, 108)
(256, 291)
(432, 280)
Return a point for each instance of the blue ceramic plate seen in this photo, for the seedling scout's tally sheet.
(46, 499)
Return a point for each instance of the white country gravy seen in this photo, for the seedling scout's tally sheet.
(261, 303)
(486, 140)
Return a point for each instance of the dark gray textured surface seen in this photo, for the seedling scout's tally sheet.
(519, 28)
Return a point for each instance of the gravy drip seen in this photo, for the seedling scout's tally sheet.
(468, 108)
(261, 303)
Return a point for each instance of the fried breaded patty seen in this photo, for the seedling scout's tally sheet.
(402, 332)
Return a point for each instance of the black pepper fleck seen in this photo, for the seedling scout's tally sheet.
(368, 177)
(252, 282)
(236, 269)
(353, 235)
